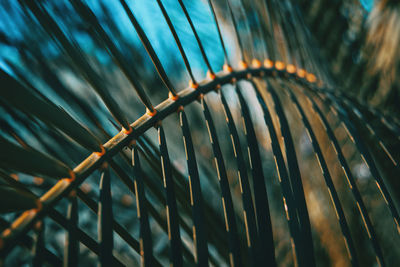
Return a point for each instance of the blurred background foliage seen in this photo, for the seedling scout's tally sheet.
(351, 46)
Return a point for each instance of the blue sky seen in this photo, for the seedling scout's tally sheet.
(367, 4)
(152, 21)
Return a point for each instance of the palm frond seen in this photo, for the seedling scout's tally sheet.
(284, 156)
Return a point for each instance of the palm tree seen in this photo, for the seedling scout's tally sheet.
(199, 132)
